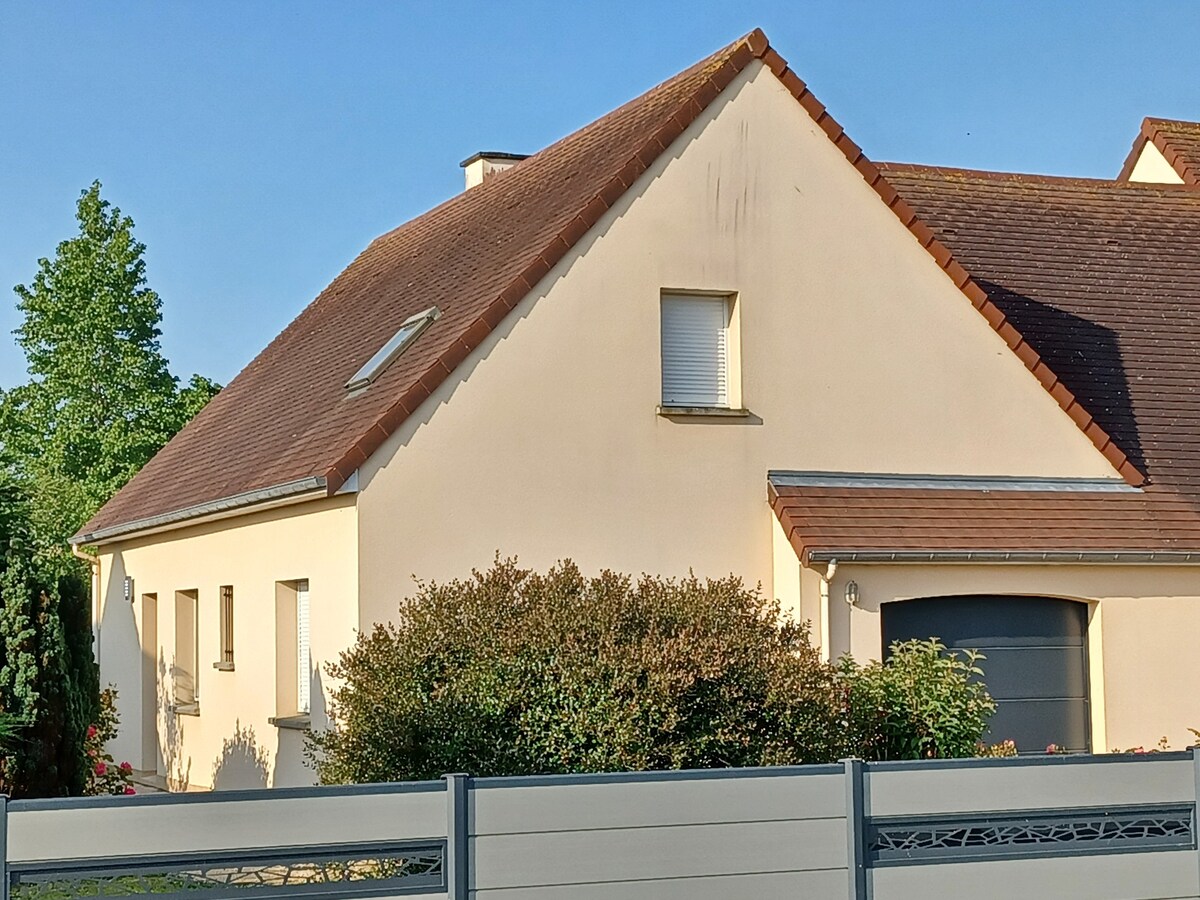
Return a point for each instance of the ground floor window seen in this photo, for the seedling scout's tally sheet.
(293, 648)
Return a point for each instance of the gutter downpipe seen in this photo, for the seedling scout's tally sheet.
(93, 562)
(826, 577)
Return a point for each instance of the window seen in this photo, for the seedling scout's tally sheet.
(410, 330)
(695, 351)
(293, 656)
(184, 671)
(303, 651)
(225, 663)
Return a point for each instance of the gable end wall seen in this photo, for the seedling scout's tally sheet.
(858, 354)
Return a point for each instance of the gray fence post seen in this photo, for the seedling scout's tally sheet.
(856, 872)
(457, 836)
(3, 847)
(1195, 811)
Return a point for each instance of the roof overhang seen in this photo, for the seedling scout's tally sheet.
(889, 519)
(992, 557)
(288, 493)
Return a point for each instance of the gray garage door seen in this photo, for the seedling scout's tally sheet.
(1036, 666)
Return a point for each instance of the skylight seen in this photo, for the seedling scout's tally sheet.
(409, 331)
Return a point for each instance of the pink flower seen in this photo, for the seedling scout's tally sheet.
(126, 768)
(91, 731)
(129, 790)
(101, 768)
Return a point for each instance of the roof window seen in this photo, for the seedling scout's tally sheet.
(409, 331)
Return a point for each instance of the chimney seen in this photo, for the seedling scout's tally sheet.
(485, 164)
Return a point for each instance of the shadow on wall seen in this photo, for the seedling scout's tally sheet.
(178, 768)
(117, 645)
(1085, 355)
(243, 764)
(291, 768)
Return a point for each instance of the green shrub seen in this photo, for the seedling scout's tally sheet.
(511, 672)
(923, 702)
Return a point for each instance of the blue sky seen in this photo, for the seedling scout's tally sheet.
(260, 146)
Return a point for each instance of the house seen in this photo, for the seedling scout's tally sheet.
(704, 332)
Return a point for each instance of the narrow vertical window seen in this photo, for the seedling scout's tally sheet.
(695, 351)
(187, 638)
(303, 648)
(226, 660)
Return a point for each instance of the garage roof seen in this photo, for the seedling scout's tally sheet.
(866, 518)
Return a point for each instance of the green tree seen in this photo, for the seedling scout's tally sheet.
(101, 399)
(48, 679)
(99, 403)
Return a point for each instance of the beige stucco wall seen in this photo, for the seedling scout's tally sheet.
(1152, 166)
(231, 742)
(857, 354)
(1143, 625)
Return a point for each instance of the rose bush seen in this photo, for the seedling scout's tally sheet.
(106, 776)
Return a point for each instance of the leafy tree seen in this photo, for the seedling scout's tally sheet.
(99, 403)
(101, 399)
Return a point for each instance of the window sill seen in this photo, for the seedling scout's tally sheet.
(223, 666)
(186, 709)
(724, 412)
(301, 722)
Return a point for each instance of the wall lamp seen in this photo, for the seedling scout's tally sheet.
(852, 593)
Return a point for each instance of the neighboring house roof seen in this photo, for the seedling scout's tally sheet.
(1179, 143)
(286, 422)
(925, 518)
(1103, 279)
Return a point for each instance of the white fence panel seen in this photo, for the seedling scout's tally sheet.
(139, 826)
(894, 789)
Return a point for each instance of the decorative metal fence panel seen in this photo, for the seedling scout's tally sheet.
(390, 869)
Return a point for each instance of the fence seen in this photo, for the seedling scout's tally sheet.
(1102, 827)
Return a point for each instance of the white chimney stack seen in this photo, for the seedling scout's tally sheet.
(485, 164)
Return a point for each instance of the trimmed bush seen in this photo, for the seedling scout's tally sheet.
(512, 672)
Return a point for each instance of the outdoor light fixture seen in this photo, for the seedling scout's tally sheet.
(852, 593)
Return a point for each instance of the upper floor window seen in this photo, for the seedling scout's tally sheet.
(696, 343)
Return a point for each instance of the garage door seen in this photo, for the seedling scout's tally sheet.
(1036, 666)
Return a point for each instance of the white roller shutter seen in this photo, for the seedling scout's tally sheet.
(695, 351)
(303, 653)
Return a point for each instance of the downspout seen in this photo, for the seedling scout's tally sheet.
(826, 577)
(93, 562)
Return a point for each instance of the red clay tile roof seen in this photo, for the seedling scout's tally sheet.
(1103, 279)
(877, 524)
(1178, 141)
(286, 417)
